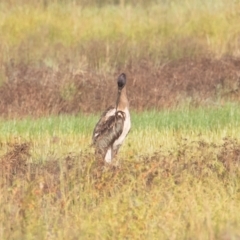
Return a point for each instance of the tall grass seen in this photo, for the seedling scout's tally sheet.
(178, 178)
(112, 35)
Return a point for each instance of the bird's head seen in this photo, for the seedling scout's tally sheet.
(121, 81)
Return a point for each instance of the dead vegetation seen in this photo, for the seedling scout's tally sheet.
(63, 186)
(198, 159)
(38, 91)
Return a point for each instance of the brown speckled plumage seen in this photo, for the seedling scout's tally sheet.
(113, 126)
(107, 131)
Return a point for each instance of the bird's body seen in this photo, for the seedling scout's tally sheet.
(113, 126)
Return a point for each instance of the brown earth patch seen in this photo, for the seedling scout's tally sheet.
(38, 91)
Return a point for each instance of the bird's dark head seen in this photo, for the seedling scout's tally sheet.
(121, 81)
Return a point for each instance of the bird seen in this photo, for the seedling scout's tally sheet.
(113, 125)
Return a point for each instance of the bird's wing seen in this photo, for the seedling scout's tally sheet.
(108, 128)
(101, 125)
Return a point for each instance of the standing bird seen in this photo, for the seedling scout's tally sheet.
(113, 126)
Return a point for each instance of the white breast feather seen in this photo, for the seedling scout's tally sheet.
(108, 156)
(126, 128)
(111, 112)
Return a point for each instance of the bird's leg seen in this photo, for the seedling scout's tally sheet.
(115, 152)
(99, 154)
(108, 156)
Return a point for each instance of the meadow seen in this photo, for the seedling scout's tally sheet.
(177, 175)
(55, 32)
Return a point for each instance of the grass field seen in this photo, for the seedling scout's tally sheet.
(54, 32)
(177, 178)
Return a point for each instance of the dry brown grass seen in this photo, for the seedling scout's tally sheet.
(197, 158)
(77, 182)
(41, 91)
(74, 195)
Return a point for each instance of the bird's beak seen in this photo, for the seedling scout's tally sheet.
(118, 97)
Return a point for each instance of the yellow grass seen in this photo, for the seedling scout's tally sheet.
(114, 34)
(171, 182)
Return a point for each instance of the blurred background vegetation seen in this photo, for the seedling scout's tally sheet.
(110, 33)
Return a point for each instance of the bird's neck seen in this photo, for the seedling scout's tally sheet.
(123, 101)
